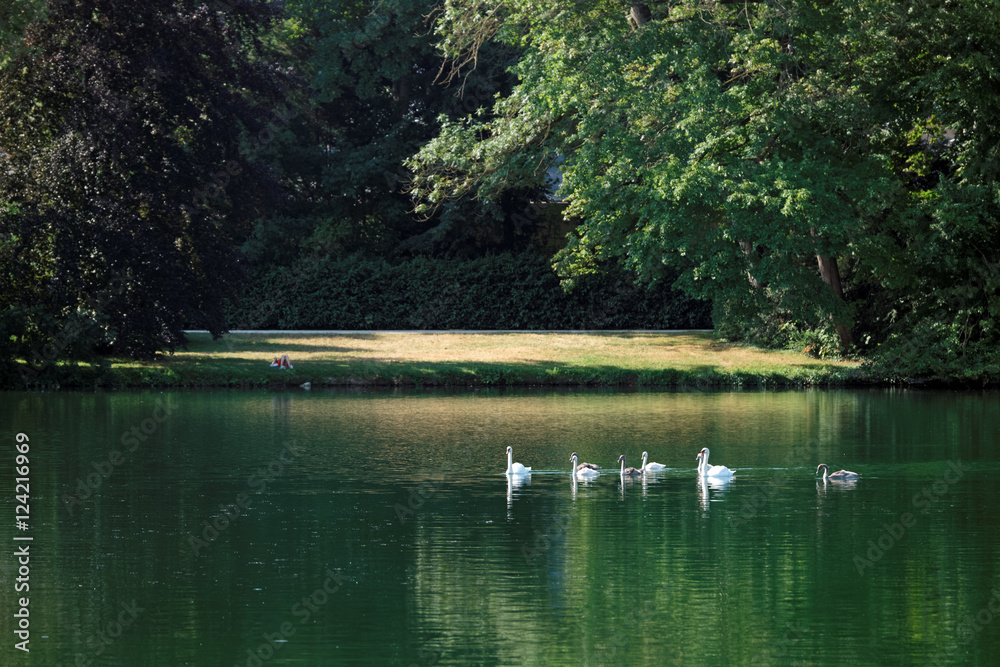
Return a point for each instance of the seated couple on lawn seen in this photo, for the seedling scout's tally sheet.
(281, 362)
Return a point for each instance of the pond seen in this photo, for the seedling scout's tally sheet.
(377, 528)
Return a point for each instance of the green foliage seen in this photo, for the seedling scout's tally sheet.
(814, 342)
(703, 139)
(379, 87)
(125, 194)
(818, 171)
(934, 351)
(805, 164)
(15, 16)
(36, 346)
(495, 292)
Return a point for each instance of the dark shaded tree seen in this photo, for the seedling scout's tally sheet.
(380, 88)
(130, 140)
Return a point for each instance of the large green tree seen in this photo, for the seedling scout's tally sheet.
(15, 16)
(379, 87)
(937, 247)
(130, 138)
(791, 157)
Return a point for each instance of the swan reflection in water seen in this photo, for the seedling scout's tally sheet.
(515, 482)
(581, 479)
(718, 485)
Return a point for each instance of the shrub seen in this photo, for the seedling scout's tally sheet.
(495, 292)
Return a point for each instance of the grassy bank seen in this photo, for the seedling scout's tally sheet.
(463, 359)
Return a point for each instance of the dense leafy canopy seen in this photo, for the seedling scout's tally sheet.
(824, 172)
(378, 91)
(125, 192)
(810, 164)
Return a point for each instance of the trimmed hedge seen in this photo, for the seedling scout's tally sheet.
(496, 292)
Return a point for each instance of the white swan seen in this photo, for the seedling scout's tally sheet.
(652, 465)
(719, 472)
(630, 471)
(515, 468)
(584, 470)
(839, 476)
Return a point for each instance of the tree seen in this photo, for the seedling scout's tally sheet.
(762, 147)
(130, 137)
(378, 92)
(939, 262)
(15, 16)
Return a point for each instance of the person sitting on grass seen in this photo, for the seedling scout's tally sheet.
(282, 362)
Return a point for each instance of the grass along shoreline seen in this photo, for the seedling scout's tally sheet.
(457, 359)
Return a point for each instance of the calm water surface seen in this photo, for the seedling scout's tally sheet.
(297, 528)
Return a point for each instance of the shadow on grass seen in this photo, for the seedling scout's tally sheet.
(263, 348)
(265, 345)
(372, 372)
(244, 361)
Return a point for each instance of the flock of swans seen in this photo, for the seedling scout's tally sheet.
(719, 473)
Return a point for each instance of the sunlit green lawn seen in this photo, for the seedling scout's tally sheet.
(415, 358)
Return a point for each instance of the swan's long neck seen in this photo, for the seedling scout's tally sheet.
(623, 465)
(510, 461)
(826, 473)
(572, 463)
(644, 457)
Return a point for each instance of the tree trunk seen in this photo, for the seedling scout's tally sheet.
(401, 94)
(830, 273)
(639, 15)
(748, 251)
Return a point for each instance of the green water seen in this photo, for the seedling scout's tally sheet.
(378, 529)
